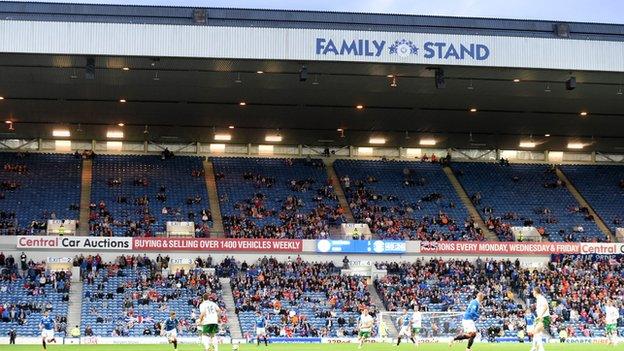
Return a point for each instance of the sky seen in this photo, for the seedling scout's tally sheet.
(604, 11)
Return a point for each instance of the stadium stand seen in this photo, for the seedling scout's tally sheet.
(526, 195)
(603, 187)
(440, 286)
(27, 289)
(276, 198)
(577, 288)
(405, 200)
(132, 296)
(299, 298)
(137, 195)
(35, 188)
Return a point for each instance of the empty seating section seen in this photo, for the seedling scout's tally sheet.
(134, 294)
(298, 298)
(278, 198)
(405, 200)
(137, 195)
(26, 294)
(37, 187)
(526, 195)
(603, 188)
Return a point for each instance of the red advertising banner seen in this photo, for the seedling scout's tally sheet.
(196, 244)
(493, 248)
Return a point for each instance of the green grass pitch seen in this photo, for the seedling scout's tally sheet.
(319, 347)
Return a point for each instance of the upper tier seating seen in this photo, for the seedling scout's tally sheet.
(137, 195)
(37, 187)
(24, 297)
(277, 198)
(526, 195)
(603, 188)
(405, 200)
(130, 295)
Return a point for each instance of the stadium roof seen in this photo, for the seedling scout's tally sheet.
(304, 19)
(188, 99)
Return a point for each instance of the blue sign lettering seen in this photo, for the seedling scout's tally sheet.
(447, 51)
(359, 47)
(403, 48)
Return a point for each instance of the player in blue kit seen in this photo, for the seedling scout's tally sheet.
(261, 324)
(171, 330)
(468, 323)
(406, 331)
(47, 325)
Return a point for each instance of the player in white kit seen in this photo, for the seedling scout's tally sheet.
(416, 324)
(612, 314)
(542, 319)
(208, 323)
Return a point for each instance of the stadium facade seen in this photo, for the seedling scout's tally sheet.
(213, 82)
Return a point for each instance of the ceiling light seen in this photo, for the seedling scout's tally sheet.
(126, 68)
(340, 130)
(273, 138)
(122, 100)
(114, 134)
(394, 82)
(576, 146)
(61, 133)
(547, 135)
(231, 127)
(473, 109)
(238, 79)
(516, 80)
(583, 113)
(316, 82)
(527, 144)
(259, 72)
(121, 124)
(223, 137)
(1, 97)
(390, 76)
(377, 140)
(547, 89)
(242, 103)
(428, 142)
(359, 107)
(8, 122)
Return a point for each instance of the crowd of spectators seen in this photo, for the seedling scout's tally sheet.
(301, 208)
(301, 298)
(28, 288)
(418, 212)
(140, 208)
(527, 195)
(576, 286)
(145, 292)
